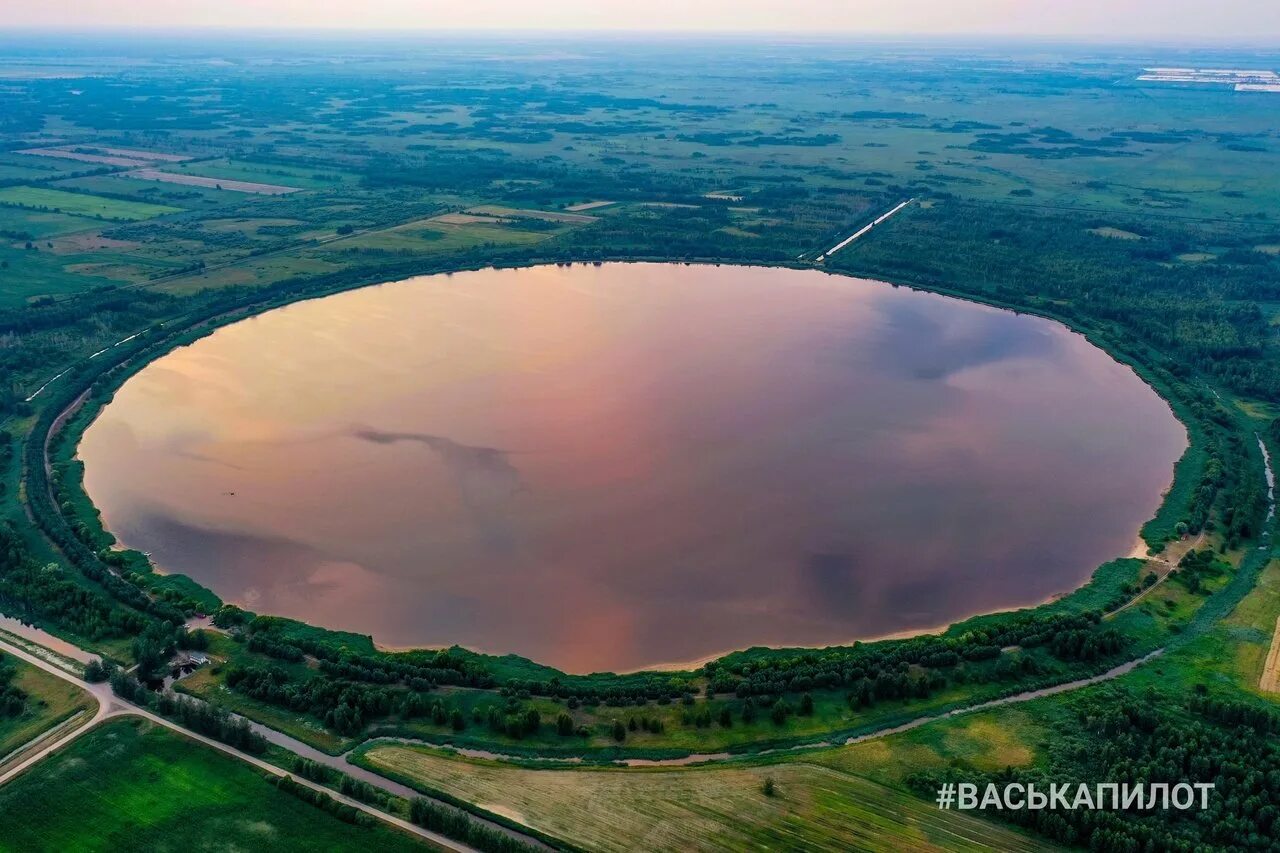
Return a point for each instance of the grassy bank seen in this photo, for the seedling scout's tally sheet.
(51, 701)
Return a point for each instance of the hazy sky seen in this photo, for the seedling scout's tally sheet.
(1252, 19)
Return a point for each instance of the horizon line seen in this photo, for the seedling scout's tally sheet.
(1184, 39)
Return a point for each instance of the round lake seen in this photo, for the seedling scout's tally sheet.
(608, 467)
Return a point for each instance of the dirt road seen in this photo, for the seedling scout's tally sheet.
(1270, 681)
(714, 757)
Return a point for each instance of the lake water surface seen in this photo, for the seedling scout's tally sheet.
(632, 464)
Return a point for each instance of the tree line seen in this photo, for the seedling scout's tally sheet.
(13, 701)
(1070, 637)
(193, 714)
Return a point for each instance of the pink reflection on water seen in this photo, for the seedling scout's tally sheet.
(607, 467)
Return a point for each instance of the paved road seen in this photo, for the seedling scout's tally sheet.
(110, 705)
(863, 230)
(100, 692)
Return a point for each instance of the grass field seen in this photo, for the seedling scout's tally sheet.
(425, 238)
(79, 204)
(30, 274)
(990, 740)
(1233, 653)
(713, 808)
(38, 224)
(130, 785)
(9, 171)
(149, 192)
(255, 270)
(50, 702)
(266, 173)
(439, 235)
(34, 168)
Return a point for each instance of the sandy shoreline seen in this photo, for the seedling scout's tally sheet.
(1139, 551)
(677, 666)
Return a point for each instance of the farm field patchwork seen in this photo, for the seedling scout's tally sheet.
(106, 155)
(11, 171)
(33, 167)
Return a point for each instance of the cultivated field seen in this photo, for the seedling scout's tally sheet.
(266, 173)
(141, 154)
(588, 205)
(84, 156)
(79, 204)
(140, 787)
(718, 808)
(521, 213)
(18, 225)
(204, 181)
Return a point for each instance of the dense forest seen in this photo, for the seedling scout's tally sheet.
(1127, 739)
